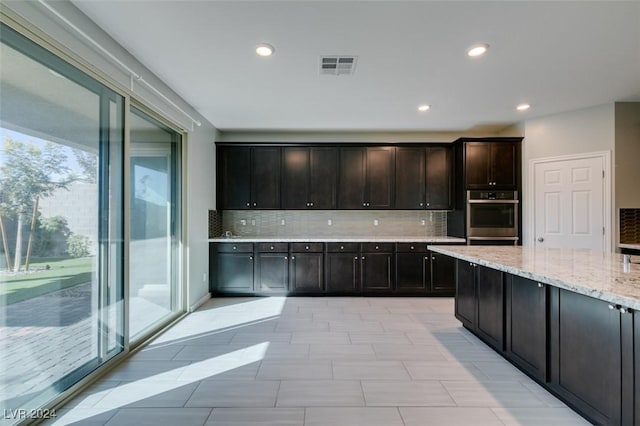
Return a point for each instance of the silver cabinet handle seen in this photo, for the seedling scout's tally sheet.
(421, 204)
(286, 258)
(292, 258)
(306, 248)
(611, 307)
(413, 248)
(362, 257)
(433, 258)
(311, 204)
(248, 204)
(341, 247)
(377, 247)
(364, 204)
(355, 258)
(540, 285)
(255, 204)
(235, 248)
(428, 204)
(271, 248)
(623, 310)
(250, 257)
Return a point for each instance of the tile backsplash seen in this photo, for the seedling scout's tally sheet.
(285, 223)
(630, 226)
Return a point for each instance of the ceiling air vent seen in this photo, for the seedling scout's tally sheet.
(337, 65)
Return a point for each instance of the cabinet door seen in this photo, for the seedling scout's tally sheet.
(586, 355)
(443, 273)
(295, 178)
(323, 178)
(234, 272)
(273, 272)
(235, 175)
(503, 165)
(380, 177)
(410, 178)
(306, 273)
(478, 164)
(342, 273)
(412, 272)
(265, 179)
(352, 178)
(526, 325)
(466, 293)
(377, 272)
(490, 294)
(636, 369)
(439, 169)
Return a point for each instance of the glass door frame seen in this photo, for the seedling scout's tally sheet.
(179, 293)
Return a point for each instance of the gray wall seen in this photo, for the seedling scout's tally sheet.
(627, 162)
(575, 132)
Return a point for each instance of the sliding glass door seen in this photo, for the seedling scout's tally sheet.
(61, 225)
(154, 272)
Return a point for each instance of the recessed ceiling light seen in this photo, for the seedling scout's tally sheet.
(423, 108)
(478, 50)
(264, 49)
(523, 107)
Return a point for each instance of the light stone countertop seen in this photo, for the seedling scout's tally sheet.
(595, 274)
(338, 239)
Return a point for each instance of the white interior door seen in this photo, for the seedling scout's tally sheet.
(569, 204)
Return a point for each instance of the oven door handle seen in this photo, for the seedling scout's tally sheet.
(493, 201)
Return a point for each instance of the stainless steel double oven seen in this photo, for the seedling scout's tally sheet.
(492, 217)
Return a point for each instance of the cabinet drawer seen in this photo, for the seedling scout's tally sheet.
(377, 247)
(411, 248)
(343, 247)
(306, 247)
(273, 247)
(235, 248)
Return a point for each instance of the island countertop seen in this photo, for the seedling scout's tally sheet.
(599, 275)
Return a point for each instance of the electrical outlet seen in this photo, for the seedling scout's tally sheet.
(204, 277)
(253, 222)
(423, 222)
(282, 222)
(329, 222)
(376, 222)
(243, 222)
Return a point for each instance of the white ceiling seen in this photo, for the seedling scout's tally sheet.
(557, 56)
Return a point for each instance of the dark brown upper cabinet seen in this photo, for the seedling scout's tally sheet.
(309, 178)
(410, 178)
(366, 178)
(250, 178)
(491, 165)
(423, 178)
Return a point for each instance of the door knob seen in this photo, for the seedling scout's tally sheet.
(540, 239)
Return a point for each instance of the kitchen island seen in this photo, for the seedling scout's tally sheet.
(567, 318)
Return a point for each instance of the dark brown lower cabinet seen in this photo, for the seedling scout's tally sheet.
(272, 270)
(231, 268)
(631, 382)
(466, 303)
(443, 274)
(526, 325)
(586, 355)
(490, 295)
(413, 268)
(306, 273)
(342, 268)
(377, 267)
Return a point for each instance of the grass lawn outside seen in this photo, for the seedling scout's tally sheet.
(63, 273)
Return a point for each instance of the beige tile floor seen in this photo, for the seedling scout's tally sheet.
(317, 361)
